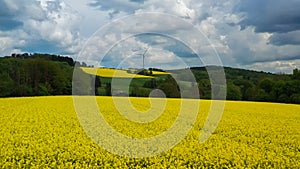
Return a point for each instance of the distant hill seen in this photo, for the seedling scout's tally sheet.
(249, 85)
(45, 74)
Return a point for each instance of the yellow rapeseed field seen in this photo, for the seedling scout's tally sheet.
(44, 132)
(116, 73)
(159, 73)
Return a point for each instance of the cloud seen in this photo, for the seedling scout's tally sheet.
(271, 15)
(248, 33)
(116, 6)
(290, 38)
(276, 66)
(168, 44)
(128, 52)
(42, 46)
(244, 33)
(248, 48)
(279, 17)
(9, 24)
(46, 25)
(5, 45)
(210, 17)
(7, 17)
(178, 7)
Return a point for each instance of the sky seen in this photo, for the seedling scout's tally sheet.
(252, 34)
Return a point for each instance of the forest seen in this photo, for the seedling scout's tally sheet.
(44, 74)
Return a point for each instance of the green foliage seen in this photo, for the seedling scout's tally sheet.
(233, 92)
(6, 85)
(204, 88)
(244, 85)
(44, 74)
(151, 83)
(34, 76)
(253, 85)
(251, 94)
(266, 85)
(170, 87)
(295, 98)
(296, 74)
(108, 89)
(283, 98)
(43, 91)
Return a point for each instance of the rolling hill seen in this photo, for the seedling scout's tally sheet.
(44, 74)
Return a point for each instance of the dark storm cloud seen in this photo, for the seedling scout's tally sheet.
(290, 38)
(181, 51)
(282, 58)
(7, 18)
(279, 16)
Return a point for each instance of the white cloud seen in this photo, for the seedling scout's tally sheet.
(59, 25)
(50, 21)
(276, 66)
(6, 44)
(55, 25)
(91, 19)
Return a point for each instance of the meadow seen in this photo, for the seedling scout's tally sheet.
(44, 132)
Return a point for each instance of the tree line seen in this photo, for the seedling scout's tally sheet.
(44, 74)
(254, 86)
(34, 77)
